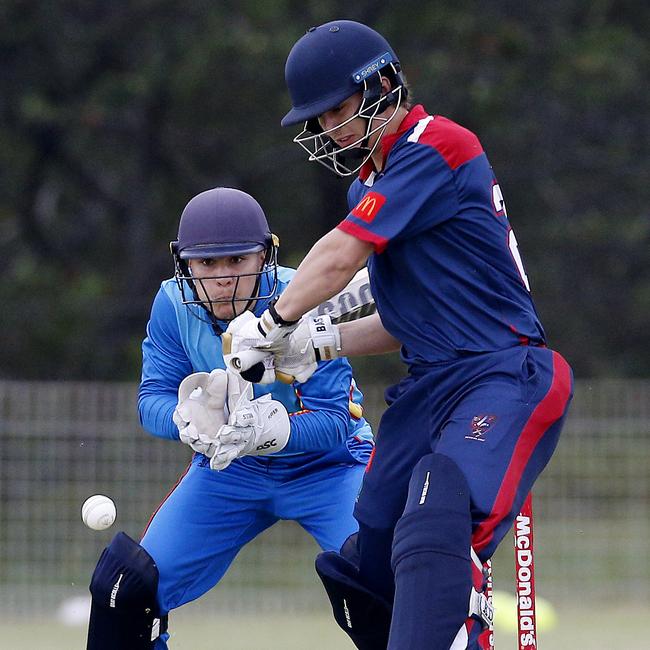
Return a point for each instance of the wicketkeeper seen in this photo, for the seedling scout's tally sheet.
(261, 454)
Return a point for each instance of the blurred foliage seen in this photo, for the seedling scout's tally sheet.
(113, 115)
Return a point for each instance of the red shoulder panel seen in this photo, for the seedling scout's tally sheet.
(455, 144)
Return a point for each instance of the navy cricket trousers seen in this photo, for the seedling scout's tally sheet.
(497, 415)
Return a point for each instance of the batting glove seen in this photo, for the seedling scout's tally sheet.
(266, 335)
(315, 339)
(240, 350)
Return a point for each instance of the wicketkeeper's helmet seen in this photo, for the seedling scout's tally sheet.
(326, 66)
(224, 222)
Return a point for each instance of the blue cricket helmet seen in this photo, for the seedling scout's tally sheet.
(222, 221)
(325, 67)
(329, 64)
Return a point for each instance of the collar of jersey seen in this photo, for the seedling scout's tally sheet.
(410, 120)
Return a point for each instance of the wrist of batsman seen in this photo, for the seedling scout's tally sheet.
(277, 319)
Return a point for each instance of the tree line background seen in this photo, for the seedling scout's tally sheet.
(114, 114)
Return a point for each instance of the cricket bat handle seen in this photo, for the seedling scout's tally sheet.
(247, 359)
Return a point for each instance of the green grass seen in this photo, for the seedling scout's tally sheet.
(617, 628)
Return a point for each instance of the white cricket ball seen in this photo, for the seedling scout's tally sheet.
(98, 512)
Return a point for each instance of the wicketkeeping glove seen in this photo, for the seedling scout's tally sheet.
(200, 412)
(239, 390)
(255, 428)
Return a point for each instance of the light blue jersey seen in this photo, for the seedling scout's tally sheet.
(209, 516)
(179, 343)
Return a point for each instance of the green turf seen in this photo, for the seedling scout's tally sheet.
(594, 628)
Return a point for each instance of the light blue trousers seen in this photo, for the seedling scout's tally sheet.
(201, 526)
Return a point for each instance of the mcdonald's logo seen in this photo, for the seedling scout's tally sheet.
(369, 206)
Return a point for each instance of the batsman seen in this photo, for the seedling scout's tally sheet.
(479, 413)
(264, 453)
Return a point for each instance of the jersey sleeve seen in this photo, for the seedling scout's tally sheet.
(164, 365)
(324, 416)
(416, 192)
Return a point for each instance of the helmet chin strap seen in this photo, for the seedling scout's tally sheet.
(351, 158)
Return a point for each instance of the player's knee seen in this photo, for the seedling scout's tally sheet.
(124, 611)
(436, 517)
(350, 549)
(361, 613)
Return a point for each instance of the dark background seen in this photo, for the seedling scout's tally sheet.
(113, 115)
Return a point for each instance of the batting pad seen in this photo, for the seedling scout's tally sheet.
(363, 615)
(124, 613)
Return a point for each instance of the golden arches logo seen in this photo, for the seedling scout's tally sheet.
(369, 206)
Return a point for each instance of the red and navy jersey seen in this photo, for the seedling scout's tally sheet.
(446, 273)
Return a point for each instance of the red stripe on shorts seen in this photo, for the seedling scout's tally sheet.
(546, 413)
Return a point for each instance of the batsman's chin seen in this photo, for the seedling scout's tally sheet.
(346, 141)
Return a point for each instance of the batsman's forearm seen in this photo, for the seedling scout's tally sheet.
(326, 270)
(366, 336)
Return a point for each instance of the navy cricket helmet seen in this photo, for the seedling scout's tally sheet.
(326, 66)
(224, 222)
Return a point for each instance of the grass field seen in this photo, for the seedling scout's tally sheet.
(596, 629)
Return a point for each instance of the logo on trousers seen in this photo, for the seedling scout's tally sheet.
(480, 425)
(116, 588)
(425, 488)
(346, 611)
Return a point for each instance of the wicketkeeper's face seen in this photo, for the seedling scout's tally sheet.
(227, 284)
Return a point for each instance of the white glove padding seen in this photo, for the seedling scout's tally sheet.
(315, 339)
(239, 343)
(273, 328)
(200, 412)
(266, 334)
(239, 390)
(256, 428)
